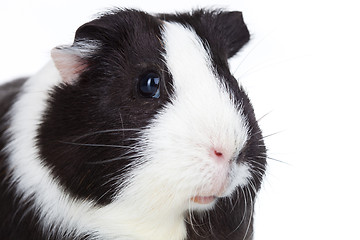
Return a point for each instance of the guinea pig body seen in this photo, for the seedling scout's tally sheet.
(137, 130)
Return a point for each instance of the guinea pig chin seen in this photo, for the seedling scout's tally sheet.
(223, 182)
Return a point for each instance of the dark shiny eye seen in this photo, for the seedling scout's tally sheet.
(149, 85)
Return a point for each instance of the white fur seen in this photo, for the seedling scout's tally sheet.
(175, 153)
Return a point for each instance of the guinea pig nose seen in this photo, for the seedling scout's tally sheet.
(217, 154)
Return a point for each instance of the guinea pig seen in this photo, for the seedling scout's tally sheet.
(135, 131)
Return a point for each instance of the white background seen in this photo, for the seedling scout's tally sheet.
(302, 66)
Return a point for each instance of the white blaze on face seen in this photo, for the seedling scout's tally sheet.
(193, 143)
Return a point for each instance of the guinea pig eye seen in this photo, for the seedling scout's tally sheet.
(149, 85)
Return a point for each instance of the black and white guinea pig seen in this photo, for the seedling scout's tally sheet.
(136, 131)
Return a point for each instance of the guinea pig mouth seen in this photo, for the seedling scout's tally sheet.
(203, 199)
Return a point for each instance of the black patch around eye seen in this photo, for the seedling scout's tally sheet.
(149, 85)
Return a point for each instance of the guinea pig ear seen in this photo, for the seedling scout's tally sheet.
(71, 61)
(94, 29)
(233, 31)
(225, 31)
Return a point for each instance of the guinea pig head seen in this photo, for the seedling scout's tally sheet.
(150, 116)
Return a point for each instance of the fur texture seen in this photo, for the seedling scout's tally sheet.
(84, 155)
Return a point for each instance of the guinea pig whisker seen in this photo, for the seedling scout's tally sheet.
(245, 206)
(260, 169)
(271, 134)
(230, 200)
(257, 173)
(236, 201)
(244, 213)
(95, 145)
(251, 210)
(273, 159)
(105, 131)
(210, 225)
(252, 185)
(197, 220)
(249, 53)
(192, 218)
(255, 161)
(277, 160)
(266, 136)
(263, 116)
(109, 160)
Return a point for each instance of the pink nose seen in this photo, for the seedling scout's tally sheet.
(218, 154)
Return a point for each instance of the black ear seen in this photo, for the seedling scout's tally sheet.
(224, 31)
(233, 31)
(116, 26)
(97, 29)
(72, 60)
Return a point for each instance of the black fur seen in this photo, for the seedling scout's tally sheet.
(104, 98)
(74, 138)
